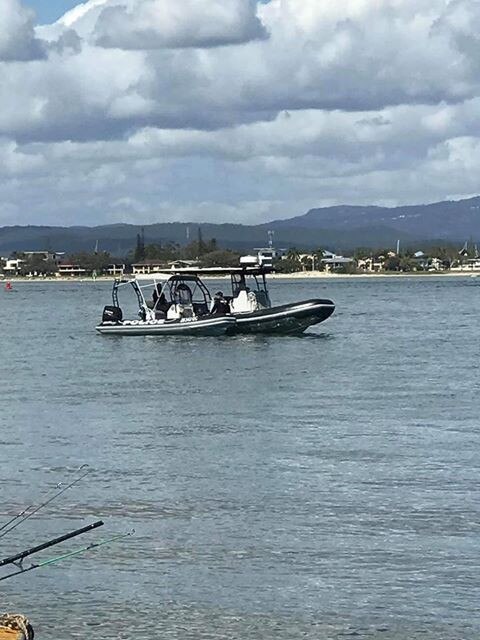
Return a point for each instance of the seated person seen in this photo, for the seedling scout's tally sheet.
(220, 305)
(162, 304)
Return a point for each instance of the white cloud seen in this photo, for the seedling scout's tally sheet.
(17, 39)
(15, 162)
(160, 24)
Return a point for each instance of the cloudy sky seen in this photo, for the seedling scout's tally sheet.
(234, 110)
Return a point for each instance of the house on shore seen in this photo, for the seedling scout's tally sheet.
(184, 264)
(53, 256)
(466, 264)
(69, 270)
(332, 262)
(116, 270)
(12, 266)
(147, 266)
(372, 264)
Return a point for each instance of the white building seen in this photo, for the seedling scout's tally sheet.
(116, 269)
(266, 256)
(147, 266)
(469, 264)
(332, 262)
(70, 270)
(13, 266)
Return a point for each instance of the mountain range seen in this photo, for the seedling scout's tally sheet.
(338, 228)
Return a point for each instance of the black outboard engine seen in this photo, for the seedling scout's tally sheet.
(112, 314)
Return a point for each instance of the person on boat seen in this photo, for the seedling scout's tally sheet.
(162, 304)
(161, 307)
(220, 305)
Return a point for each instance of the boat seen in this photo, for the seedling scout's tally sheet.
(249, 306)
(250, 303)
(179, 304)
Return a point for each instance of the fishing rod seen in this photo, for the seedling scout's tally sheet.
(19, 557)
(46, 563)
(24, 515)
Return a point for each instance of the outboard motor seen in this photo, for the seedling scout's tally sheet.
(112, 314)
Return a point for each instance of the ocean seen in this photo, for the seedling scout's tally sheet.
(315, 487)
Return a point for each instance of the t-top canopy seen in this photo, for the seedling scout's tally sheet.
(212, 271)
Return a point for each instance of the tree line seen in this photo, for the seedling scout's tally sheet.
(209, 254)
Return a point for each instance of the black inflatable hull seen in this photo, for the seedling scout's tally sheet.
(210, 326)
(286, 319)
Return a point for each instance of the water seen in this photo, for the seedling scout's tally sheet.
(316, 487)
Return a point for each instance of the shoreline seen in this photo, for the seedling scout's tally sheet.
(299, 275)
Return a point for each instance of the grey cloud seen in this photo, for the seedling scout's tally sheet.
(158, 24)
(67, 42)
(345, 101)
(353, 57)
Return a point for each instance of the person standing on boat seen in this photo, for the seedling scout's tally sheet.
(220, 305)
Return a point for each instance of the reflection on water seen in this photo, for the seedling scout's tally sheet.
(280, 487)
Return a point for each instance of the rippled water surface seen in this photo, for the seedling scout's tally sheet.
(280, 488)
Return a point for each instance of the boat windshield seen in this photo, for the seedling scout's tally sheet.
(186, 289)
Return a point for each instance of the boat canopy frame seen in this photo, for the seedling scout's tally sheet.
(238, 276)
(174, 283)
(171, 288)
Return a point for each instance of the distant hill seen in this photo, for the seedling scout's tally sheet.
(119, 239)
(451, 220)
(339, 228)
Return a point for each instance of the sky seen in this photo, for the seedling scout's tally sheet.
(50, 10)
(234, 110)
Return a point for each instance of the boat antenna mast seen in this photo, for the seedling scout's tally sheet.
(270, 238)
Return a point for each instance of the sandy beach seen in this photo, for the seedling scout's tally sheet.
(301, 275)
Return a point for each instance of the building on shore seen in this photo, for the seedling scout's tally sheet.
(371, 264)
(184, 264)
(69, 270)
(116, 270)
(332, 262)
(54, 256)
(466, 264)
(147, 266)
(12, 266)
